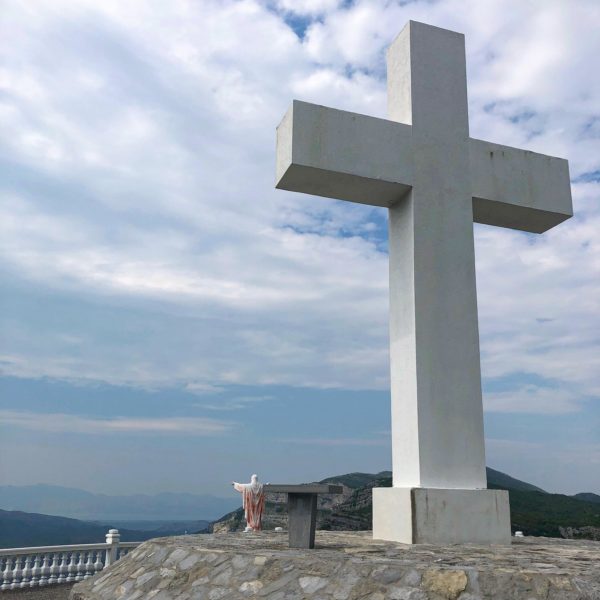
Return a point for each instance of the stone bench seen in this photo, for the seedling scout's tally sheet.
(302, 509)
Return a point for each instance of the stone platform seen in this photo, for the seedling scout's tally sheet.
(347, 565)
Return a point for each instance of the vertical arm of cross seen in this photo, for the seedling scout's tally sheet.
(437, 414)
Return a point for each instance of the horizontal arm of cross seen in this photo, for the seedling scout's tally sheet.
(517, 188)
(348, 156)
(343, 155)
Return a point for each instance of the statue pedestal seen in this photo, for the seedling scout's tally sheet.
(441, 516)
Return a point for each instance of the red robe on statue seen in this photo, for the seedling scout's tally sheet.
(253, 501)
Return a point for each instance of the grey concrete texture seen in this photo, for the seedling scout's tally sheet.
(302, 509)
(437, 516)
(347, 566)
(339, 154)
(348, 156)
(437, 412)
(302, 520)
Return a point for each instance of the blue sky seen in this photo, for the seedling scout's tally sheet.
(169, 321)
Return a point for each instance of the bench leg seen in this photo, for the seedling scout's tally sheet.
(302, 520)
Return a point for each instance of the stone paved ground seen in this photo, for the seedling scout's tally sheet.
(347, 565)
(50, 592)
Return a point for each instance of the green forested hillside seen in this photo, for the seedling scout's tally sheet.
(533, 511)
(357, 480)
(588, 497)
(502, 481)
(538, 513)
(494, 478)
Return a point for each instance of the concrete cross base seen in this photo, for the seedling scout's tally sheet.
(441, 516)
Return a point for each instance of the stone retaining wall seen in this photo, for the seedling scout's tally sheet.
(347, 566)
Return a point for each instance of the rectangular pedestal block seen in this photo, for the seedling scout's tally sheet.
(441, 516)
(302, 519)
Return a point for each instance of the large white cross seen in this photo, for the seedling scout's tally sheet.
(435, 180)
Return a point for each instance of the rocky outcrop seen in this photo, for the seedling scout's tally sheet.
(348, 566)
(580, 533)
(354, 513)
(275, 514)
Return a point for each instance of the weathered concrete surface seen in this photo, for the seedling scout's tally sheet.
(347, 565)
(436, 516)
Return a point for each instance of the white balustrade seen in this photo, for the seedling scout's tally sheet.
(46, 565)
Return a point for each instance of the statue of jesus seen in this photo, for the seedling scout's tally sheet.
(253, 501)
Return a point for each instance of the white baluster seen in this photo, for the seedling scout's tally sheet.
(45, 571)
(36, 571)
(89, 565)
(26, 573)
(80, 571)
(54, 569)
(72, 568)
(99, 565)
(62, 568)
(7, 574)
(16, 574)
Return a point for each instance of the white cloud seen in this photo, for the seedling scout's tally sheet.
(66, 423)
(200, 388)
(140, 146)
(332, 442)
(236, 403)
(533, 399)
(307, 7)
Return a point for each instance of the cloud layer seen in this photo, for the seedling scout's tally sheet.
(72, 424)
(137, 188)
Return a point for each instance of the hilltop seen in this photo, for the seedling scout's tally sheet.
(588, 497)
(533, 510)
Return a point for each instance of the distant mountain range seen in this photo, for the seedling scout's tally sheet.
(20, 529)
(79, 504)
(140, 517)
